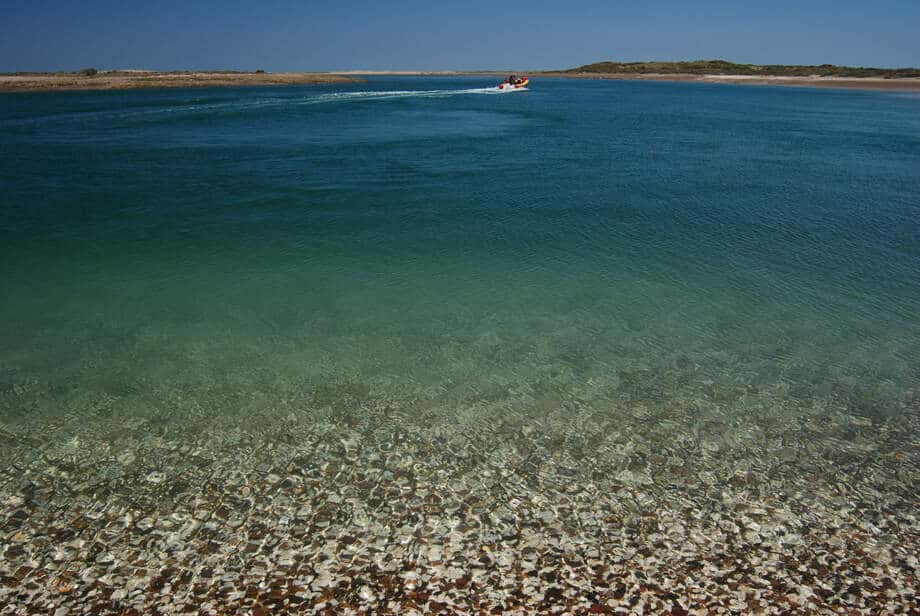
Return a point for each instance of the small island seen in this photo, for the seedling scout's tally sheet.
(92, 79)
(722, 71)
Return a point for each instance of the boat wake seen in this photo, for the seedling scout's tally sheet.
(394, 94)
(196, 106)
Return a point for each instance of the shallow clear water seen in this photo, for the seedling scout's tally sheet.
(617, 275)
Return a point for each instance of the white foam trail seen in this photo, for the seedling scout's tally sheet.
(392, 94)
(243, 105)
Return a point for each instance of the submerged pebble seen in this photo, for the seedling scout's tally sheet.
(594, 509)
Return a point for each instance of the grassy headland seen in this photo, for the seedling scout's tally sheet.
(722, 71)
(91, 79)
(723, 67)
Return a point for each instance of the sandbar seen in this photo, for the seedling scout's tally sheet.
(132, 79)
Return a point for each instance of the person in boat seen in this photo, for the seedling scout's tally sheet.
(512, 79)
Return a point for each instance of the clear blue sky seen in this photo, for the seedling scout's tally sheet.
(279, 35)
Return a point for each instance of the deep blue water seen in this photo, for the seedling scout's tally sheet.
(415, 233)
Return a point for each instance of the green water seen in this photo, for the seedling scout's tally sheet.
(211, 236)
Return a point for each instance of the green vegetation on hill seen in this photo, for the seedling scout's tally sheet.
(722, 67)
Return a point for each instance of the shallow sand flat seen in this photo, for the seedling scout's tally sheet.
(676, 508)
(121, 80)
(810, 82)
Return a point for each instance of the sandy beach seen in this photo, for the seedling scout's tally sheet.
(129, 79)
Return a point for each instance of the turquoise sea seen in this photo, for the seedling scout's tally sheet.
(415, 302)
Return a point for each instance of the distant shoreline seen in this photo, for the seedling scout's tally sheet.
(136, 79)
(129, 80)
(906, 84)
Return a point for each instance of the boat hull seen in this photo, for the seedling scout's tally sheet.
(520, 85)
